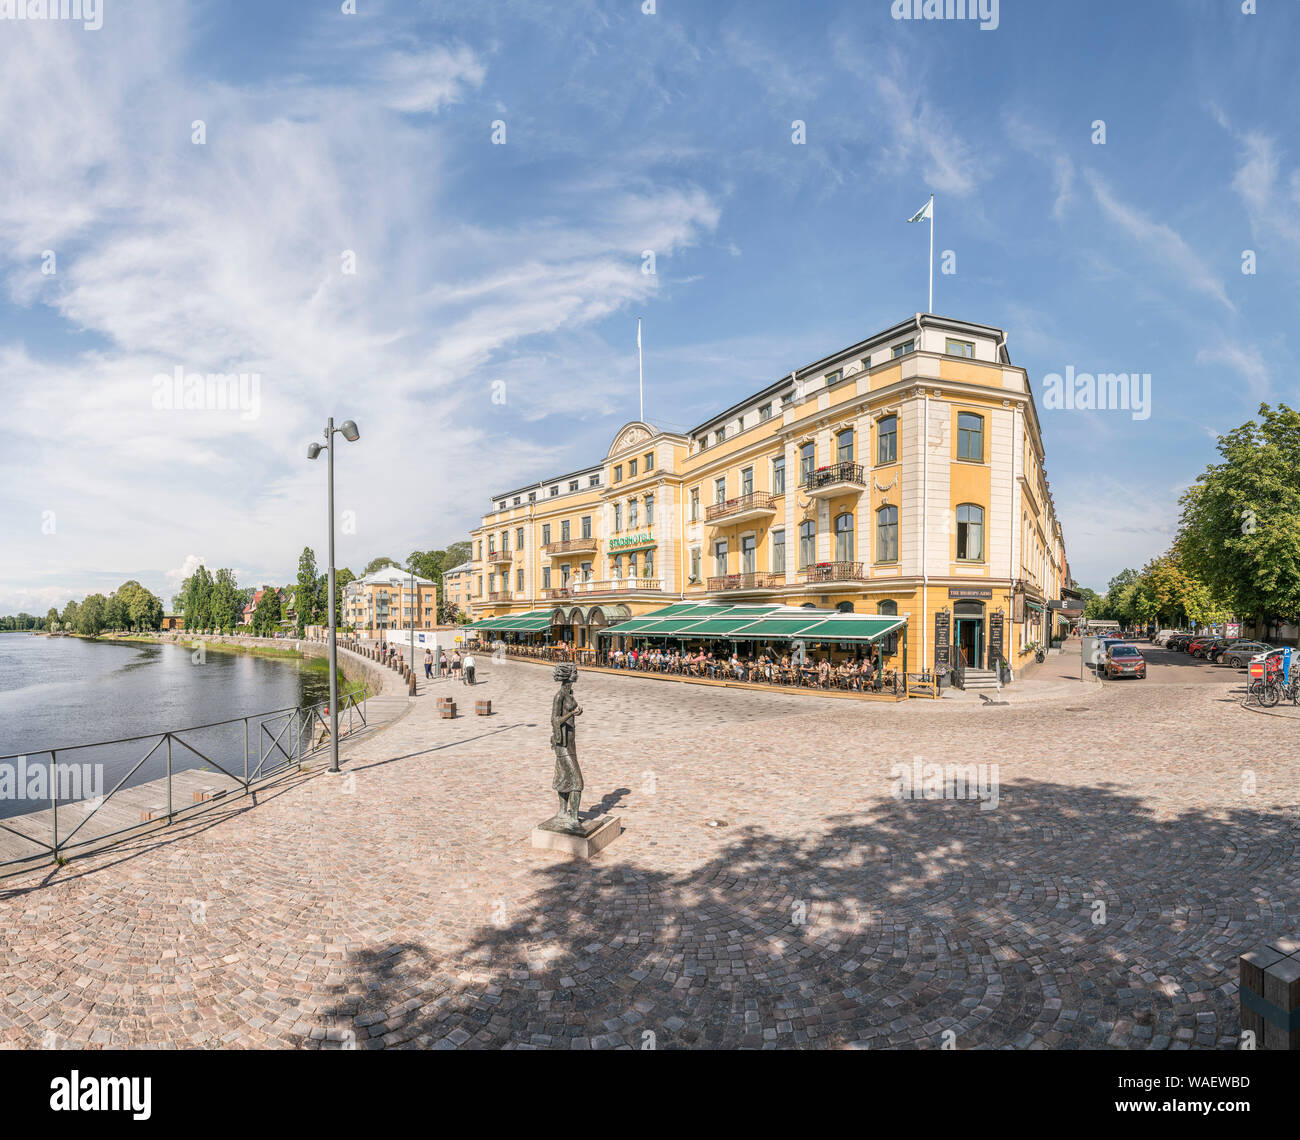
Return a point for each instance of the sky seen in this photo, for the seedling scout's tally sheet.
(432, 218)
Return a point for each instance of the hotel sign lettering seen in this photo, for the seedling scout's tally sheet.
(985, 592)
(631, 540)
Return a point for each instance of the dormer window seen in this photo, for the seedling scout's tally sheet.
(904, 348)
(835, 377)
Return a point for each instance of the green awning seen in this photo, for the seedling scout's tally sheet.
(533, 622)
(688, 621)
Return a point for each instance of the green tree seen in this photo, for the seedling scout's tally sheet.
(306, 595)
(226, 601)
(266, 615)
(91, 615)
(52, 619)
(376, 564)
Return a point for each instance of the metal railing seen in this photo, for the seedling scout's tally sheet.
(835, 474)
(757, 501)
(834, 572)
(748, 581)
(570, 546)
(271, 743)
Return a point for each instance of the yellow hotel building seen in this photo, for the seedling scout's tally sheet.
(901, 475)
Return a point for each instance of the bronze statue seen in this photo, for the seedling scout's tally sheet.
(568, 776)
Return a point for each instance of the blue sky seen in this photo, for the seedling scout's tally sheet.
(625, 131)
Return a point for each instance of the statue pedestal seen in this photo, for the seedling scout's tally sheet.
(597, 834)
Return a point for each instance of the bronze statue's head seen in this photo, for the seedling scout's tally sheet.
(566, 672)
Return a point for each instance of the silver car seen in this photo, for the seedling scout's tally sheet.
(1240, 652)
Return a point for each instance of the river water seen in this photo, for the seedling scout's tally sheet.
(60, 692)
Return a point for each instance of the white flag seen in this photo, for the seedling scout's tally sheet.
(922, 213)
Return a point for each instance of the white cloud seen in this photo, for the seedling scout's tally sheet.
(1247, 361)
(1161, 243)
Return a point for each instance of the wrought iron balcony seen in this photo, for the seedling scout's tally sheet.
(759, 504)
(556, 593)
(498, 556)
(745, 583)
(837, 479)
(571, 546)
(835, 572)
(498, 596)
(616, 586)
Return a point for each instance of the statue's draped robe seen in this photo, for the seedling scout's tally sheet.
(568, 776)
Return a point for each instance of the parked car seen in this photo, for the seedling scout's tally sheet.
(1195, 646)
(1215, 651)
(1205, 646)
(1178, 641)
(1124, 659)
(1237, 653)
(1162, 636)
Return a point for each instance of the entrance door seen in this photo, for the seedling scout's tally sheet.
(969, 634)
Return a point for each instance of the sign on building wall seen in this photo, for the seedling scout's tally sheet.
(978, 592)
(942, 641)
(1018, 609)
(995, 638)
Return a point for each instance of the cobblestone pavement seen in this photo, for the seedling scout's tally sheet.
(768, 890)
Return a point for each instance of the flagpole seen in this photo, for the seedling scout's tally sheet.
(640, 372)
(931, 308)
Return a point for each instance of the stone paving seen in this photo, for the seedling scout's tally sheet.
(768, 890)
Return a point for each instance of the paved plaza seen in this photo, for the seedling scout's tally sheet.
(768, 890)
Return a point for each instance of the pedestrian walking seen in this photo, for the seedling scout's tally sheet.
(428, 665)
(469, 668)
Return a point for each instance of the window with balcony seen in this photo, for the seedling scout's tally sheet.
(807, 461)
(844, 446)
(844, 537)
(648, 563)
(720, 558)
(887, 534)
(564, 531)
(970, 437)
(546, 577)
(546, 534)
(618, 567)
(747, 481)
(586, 526)
(778, 475)
(720, 490)
(887, 440)
(778, 552)
(970, 533)
(889, 644)
(586, 571)
(748, 553)
(631, 565)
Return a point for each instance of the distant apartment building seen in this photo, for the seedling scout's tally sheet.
(386, 598)
(902, 475)
(456, 584)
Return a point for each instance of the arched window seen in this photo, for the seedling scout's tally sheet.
(970, 533)
(887, 534)
(807, 544)
(845, 607)
(970, 436)
(888, 644)
(844, 537)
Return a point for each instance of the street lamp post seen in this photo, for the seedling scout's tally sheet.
(348, 430)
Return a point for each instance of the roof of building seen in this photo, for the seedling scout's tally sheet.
(390, 576)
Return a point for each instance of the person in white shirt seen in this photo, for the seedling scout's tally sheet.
(469, 668)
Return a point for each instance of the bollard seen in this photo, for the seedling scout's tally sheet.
(1270, 993)
(483, 708)
(410, 691)
(447, 711)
